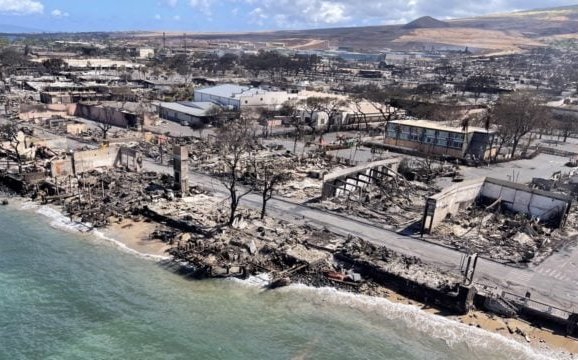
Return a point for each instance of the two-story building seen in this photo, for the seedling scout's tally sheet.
(434, 138)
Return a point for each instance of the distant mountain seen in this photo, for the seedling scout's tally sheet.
(509, 32)
(495, 33)
(426, 22)
(14, 29)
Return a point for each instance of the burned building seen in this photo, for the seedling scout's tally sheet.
(187, 113)
(544, 206)
(436, 139)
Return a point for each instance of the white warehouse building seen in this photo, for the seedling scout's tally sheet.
(243, 97)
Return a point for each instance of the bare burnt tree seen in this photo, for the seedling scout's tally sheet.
(235, 142)
(516, 115)
(381, 101)
(214, 114)
(181, 64)
(9, 134)
(360, 112)
(478, 84)
(310, 106)
(268, 175)
(565, 125)
(106, 121)
(10, 59)
(445, 71)
(292, 112)
(54, 65)
(331, 106)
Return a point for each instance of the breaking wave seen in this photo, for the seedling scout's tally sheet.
(60, 221)
(451, 332)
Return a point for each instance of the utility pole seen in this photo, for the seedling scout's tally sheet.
(185, 42)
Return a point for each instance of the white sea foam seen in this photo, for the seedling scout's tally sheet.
(450, 331)
(28, 205)
(260, 280)
(61, 221)
(125, 248)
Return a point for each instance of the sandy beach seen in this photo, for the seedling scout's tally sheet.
(136, 236)
(516, 329)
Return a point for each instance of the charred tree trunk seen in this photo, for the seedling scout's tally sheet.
(234, 206)
(264, 206)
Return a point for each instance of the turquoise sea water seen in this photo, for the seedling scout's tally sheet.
(72, 296)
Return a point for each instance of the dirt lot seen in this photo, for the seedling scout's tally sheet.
(473, 38)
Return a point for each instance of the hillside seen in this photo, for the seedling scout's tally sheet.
(426, 22)
(500, 32)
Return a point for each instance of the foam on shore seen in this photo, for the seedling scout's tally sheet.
(452, 332)
(60, 221)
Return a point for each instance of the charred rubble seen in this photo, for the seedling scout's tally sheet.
(501, 235)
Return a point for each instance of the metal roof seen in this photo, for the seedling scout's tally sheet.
(192, 109)
(434, 125)
(230, 91)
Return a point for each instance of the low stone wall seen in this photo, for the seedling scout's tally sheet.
(45, 111)
(460, 301)
(537, 313)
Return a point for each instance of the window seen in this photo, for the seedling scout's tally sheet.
(442, 142)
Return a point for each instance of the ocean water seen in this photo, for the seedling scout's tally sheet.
(67, 295)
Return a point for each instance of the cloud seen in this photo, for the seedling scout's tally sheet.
(59, 13)
(305, 13)
(172, 3)
(177, 18)
(21, 7)
(204, 6)
(157, 17)
(330, 13)
(257, 16)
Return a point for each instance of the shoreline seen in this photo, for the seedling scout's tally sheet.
(133, 237)
(136, 236)
(129, 239)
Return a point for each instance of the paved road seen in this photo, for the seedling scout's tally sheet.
(558, 287)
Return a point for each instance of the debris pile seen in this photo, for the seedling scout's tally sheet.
(97, 196)
(391, 262)
(426, 170)
(292, 252)
(499, 235)
(250, 247)
(306, 171)
(396, 203)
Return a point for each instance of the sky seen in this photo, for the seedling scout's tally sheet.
(240, 15)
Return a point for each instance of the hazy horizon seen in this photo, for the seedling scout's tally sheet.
(238, 15)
